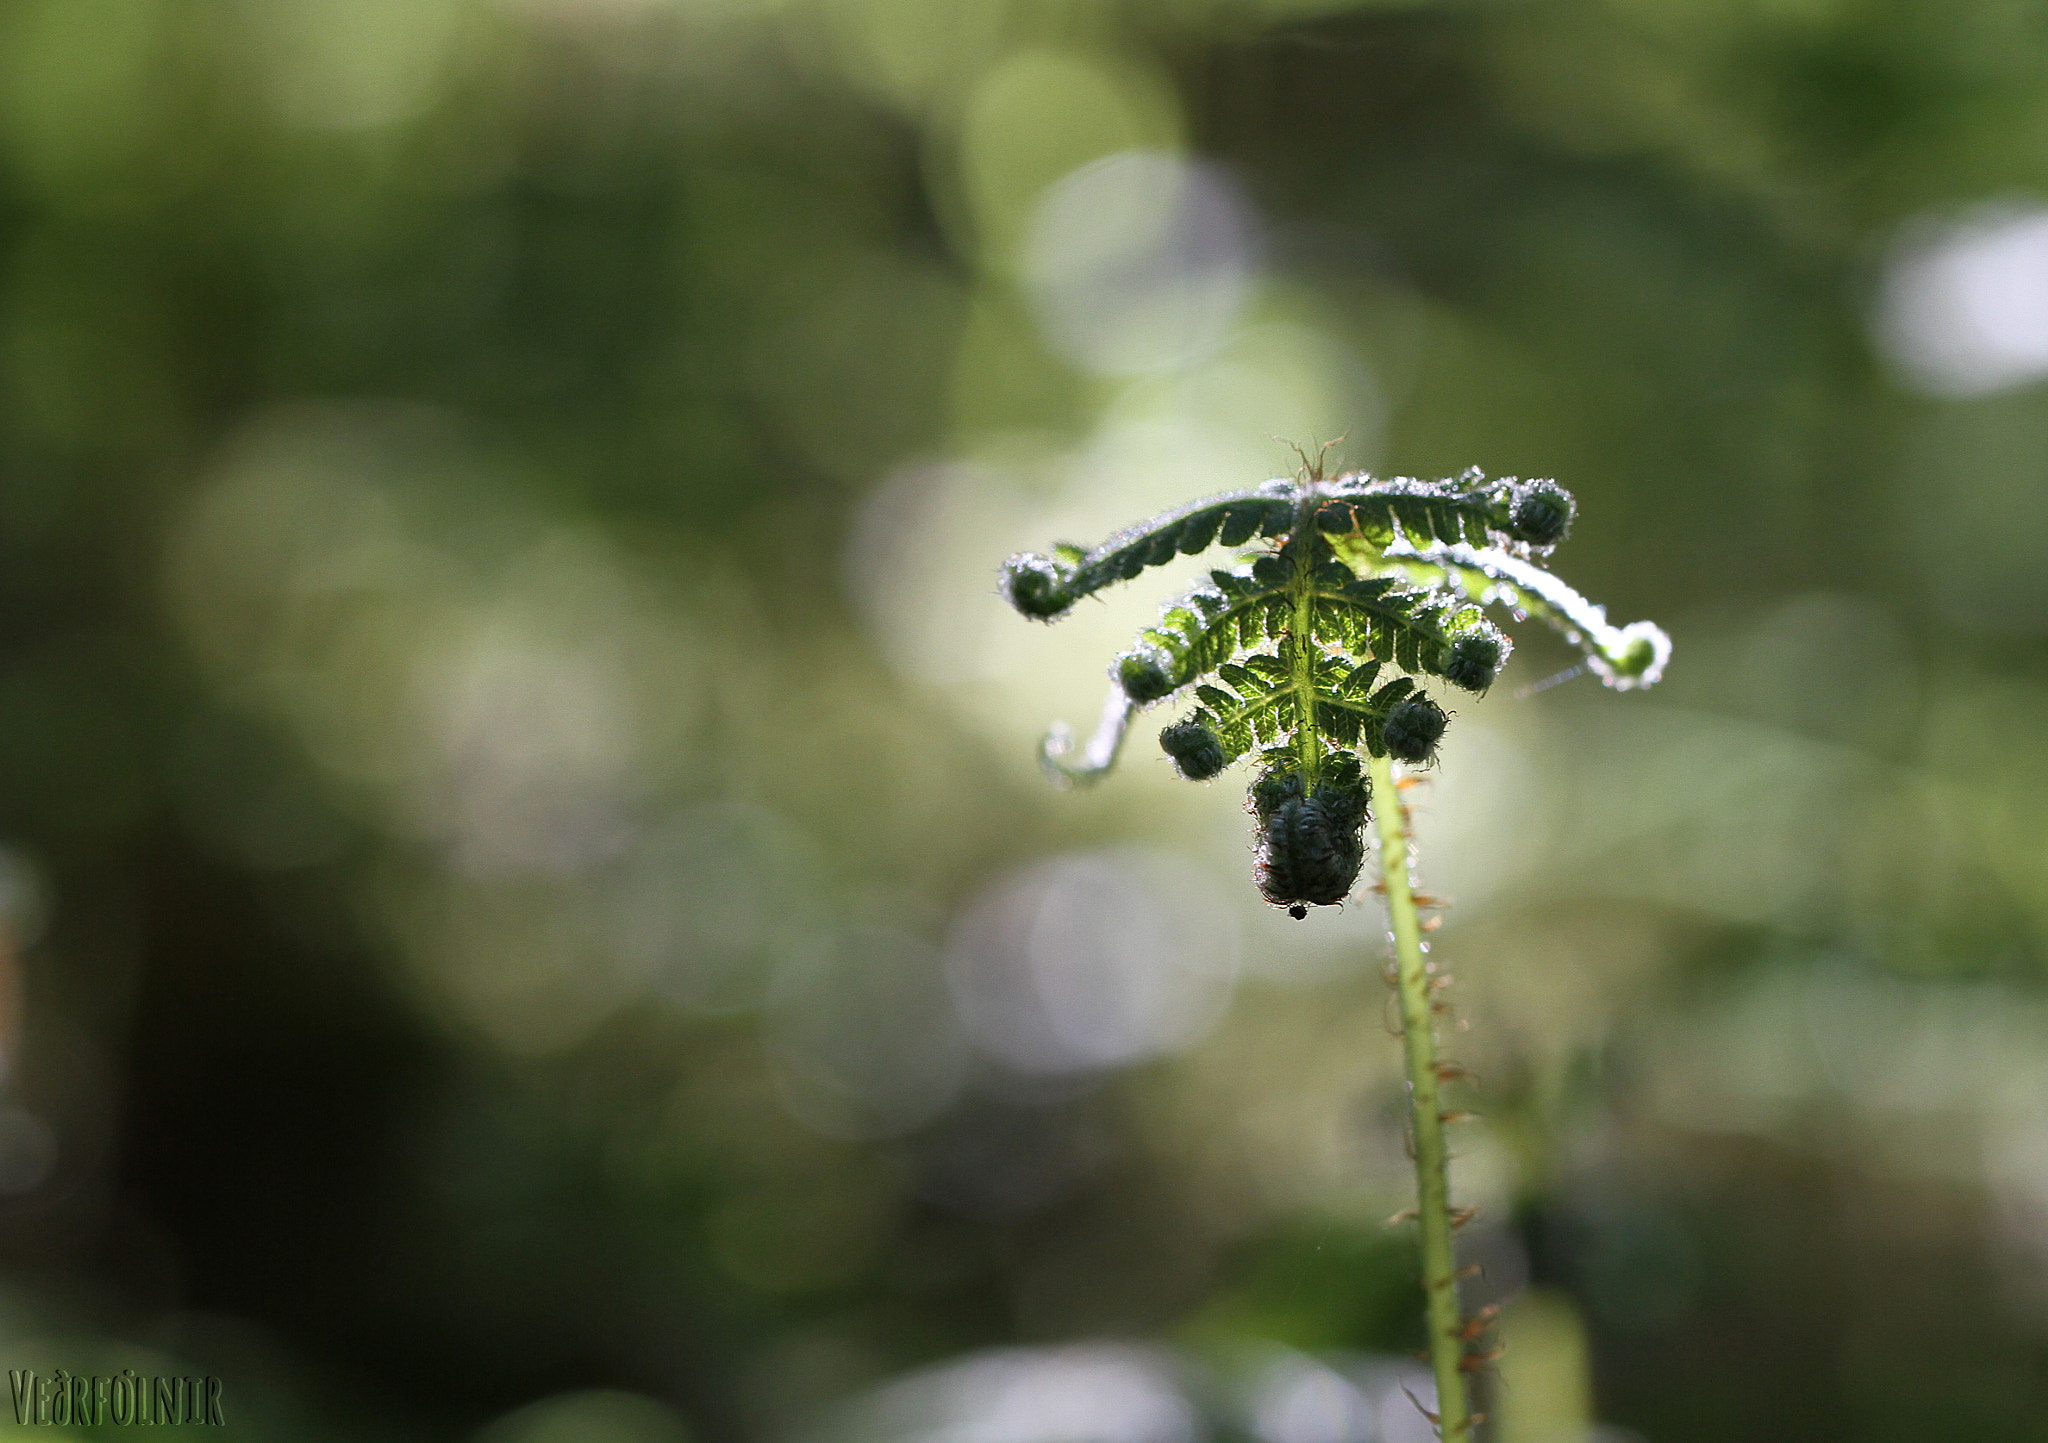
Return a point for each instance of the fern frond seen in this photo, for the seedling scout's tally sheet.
(1098, 757)
(1288, 656)
(1623, 657)
(1532, 515)
(1288, 653)
(1231, 612)
(1043, 587)
(1253, 705)
(1258, 704)
(1421, 629)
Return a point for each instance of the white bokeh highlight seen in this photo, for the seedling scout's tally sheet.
(863, 1042)
(1082, 1393)
(1299, 1400)
(1139, 262)
(1093, 960)
(1963, 308)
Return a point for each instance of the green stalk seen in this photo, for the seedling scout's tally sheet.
(1425, 1111)
(1308, 745)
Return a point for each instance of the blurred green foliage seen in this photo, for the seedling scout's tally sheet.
(526, 884)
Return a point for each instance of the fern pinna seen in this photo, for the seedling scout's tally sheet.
(1321, 646)
(1317, 652)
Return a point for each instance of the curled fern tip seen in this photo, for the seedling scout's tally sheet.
(1143, 676)
(1412, 730)
(1477, 657)
(1634, 656)
(1542, 513)
(1037, 586)
(1196, 752)
(1311, 841)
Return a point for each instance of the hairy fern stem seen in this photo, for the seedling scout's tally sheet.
(1413, 982)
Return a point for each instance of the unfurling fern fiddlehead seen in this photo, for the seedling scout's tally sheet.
(1317, 653)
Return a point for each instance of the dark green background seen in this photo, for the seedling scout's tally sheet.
(610, 319)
